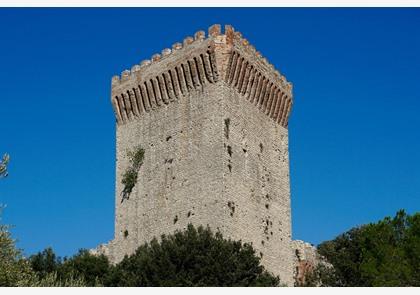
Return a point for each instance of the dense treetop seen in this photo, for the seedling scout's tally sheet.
(386, 253)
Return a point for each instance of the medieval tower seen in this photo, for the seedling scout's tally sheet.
(211, 115)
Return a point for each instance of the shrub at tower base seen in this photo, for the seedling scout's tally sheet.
(194, 257)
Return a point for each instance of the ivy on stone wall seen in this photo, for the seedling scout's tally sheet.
(129, 178)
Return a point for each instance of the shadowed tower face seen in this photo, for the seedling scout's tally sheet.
(211, 115)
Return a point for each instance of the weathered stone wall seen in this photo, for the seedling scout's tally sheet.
(180, 180)
(256, 183)
(212, 118)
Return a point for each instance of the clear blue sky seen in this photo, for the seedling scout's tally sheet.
(354, 130)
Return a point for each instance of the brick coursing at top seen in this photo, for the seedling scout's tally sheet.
(144, 88)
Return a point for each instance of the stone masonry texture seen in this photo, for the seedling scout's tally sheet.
(211, 115)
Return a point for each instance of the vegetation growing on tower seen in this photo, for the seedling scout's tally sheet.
(129, 178)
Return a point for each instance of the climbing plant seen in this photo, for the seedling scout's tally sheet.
(129, 178)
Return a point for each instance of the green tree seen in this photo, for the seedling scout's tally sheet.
(3, 165)
(14, 269)
(194, 257)
(44, 263)
(83, 268)
(53, 280)
(386, 253)
(93, 269)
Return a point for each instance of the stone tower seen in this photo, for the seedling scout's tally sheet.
(211, 115)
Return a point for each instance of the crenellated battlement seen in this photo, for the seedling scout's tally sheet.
(195, 62)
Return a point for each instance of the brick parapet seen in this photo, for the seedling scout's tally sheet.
(196, 61)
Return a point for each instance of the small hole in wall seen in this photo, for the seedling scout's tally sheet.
(261, 147)
(261, 254)
(227, 124)
(176, 219)
(267, 206)
(245, 151)
(231, 206)
(189, 214)
(262, 242)
(230, 167)
(168, 138)
(229, 150)
(125, 233)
